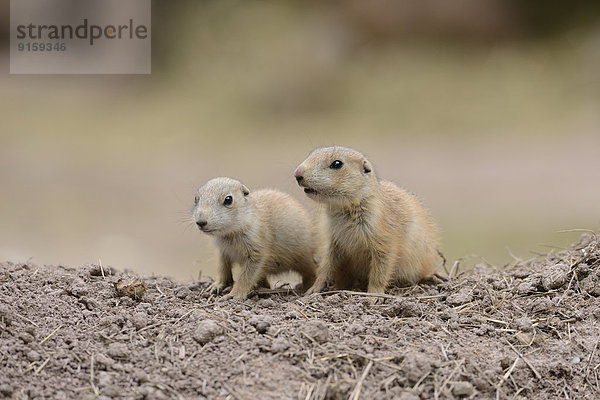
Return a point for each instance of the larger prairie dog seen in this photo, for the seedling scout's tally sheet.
(377, 233)
(266, 232)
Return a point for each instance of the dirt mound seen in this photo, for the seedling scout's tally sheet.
(527, 331)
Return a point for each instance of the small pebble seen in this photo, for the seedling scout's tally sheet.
(402, 308)
(33, 356)
(78, 288)
(576, 360)
(462, 297)
(523, 323)
(103, 378)
(140, 320)
(182, 292)
(5, 315)
(481, 384)
(196, 286)
(462, 389)
(97, 270)
(207, 330)
(525, 338)
(262, 327)
(408, 396)
(527, 287)
(267, 303)
(112, 391)
(26, 337)
(118, 350)
(316, 330)
(6, 389)
(591, 284)
(140, 377)
(555, 276)
(279, 345)
(103, 361)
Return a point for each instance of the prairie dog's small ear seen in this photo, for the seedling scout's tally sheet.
(245, 190)
(366, 165)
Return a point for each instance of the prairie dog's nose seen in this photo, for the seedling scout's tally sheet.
(298, 173)
(201, 223)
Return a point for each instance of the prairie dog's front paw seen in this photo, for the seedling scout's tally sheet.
(217, 287)
(377, 289)
(238, 293)
(315, 288)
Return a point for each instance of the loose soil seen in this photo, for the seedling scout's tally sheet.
(529, 330)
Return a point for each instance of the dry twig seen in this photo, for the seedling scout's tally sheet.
(535, 372)
(355, 395)
(50, 335)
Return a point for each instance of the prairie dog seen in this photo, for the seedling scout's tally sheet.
(266, 232)
(378, 233)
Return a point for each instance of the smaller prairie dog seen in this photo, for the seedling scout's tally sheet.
(266, 232)
(377, 233)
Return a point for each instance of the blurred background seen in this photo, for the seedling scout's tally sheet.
(489, 110)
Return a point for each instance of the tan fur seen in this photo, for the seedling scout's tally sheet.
(379, 234)
(266, 232)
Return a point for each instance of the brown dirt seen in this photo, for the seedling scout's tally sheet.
(527, 331)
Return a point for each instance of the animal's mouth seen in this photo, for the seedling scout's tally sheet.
(309, 191)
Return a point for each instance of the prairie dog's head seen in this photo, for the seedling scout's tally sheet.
(335, 175)
(221, 206)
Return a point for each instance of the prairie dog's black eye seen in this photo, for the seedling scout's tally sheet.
(337, 164)
(228, 200)
(196, 200)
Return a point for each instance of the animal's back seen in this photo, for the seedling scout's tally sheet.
(415, 233)
(289, 225)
